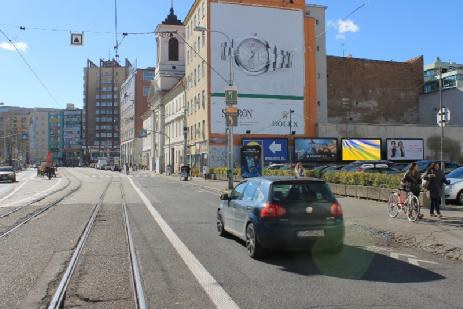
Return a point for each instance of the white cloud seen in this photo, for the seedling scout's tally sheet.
(9, 46)
(343, 27)
(347, 26)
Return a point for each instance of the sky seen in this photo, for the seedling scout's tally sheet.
(377, 29)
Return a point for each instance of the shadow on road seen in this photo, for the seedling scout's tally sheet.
(353, 263)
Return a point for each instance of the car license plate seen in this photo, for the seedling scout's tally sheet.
(311, 233)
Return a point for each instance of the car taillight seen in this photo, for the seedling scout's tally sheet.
(336, 210)
(272, 210)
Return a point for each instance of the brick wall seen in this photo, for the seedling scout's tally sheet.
(371, 91)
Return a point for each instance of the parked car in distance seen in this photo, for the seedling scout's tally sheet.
(101, 164)
(454, 190)
(279, 166)
(332, 168)
(282, 213)
(356, 166)
(378, 168)
(424, 164)
(115, 168)
(7, 173)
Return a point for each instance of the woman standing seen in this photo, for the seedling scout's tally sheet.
(436, 180)
(299, 170)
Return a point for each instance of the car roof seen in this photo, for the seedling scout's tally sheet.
(6, 167)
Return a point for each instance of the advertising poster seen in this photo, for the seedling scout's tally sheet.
(266, 49)
(251, 161)
(316, 149)
(361, 149)
(266, 117)
(404, 149)
(275, 150)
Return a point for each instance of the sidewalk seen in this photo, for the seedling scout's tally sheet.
(443, 237)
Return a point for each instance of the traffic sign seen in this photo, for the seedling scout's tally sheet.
(231, 96)
(275, 150)
(232, 119)
(24, 136)
(443, 117)
(77, 39)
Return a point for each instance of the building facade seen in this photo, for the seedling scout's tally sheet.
(72, 136)
(38, 134)
(14, 134)
(55, 136)
(452, 92)
(275, 73)
(372, 91)
(170, 69)
(134, 103)
(102, 108)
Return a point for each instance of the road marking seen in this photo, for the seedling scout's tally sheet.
(216, 293)
(16, 190)
(35, 195)
(410, 258)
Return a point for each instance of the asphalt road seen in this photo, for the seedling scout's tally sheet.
(184, 264)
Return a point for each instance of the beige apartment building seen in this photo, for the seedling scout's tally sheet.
(14, 135)
(38, 134)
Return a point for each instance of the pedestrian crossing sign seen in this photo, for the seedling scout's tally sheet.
(77, 39)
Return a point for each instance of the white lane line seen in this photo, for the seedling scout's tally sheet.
(416, 262)
(216, 293)
(16, 190)
(412, 259)
(39, 194)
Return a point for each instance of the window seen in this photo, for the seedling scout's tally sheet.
(204, 38)
(204, 99)
(204, 69)
(199, 72)
(148, 75)
(146, 90)
(199, 43)
(187, 56)
(204, 129)
(195, 49)
(238, 192)
(203, 9)
(249, 192)
(173, 49)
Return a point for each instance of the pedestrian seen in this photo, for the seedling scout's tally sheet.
(127, 168)
(299, 170)
(205, 171)
(436, 179)
(412, 180)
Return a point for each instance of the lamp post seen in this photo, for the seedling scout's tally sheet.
(229, 128)
(442, 125)
(291, 111)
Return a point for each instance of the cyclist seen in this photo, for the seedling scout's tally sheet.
(412, 181)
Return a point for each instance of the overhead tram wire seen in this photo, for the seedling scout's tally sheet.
(30, 68)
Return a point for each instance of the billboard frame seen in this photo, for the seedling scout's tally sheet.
(404, 139)
(360, 138)
(336, 159)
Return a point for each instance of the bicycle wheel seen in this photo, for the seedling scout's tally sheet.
(393, 205)
(413, 212)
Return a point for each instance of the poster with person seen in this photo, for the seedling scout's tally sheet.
(402, 149)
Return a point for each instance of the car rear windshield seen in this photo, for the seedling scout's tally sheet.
(6, 169)
(458, 173)
(309, 191)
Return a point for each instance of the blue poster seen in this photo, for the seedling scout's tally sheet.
(275, 149)
(251, 161)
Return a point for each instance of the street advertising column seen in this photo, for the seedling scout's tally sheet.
(405, 149)
(251, 161)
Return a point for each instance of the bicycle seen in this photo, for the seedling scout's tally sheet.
(411, 206)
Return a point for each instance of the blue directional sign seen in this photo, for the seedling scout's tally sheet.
(275, 149)
(24, 136)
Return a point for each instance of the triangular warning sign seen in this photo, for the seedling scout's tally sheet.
(77, 38)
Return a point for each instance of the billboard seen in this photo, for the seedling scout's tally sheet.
(361, 149)
(274, 149)
(316, 149)
(268, 66)
(405, 149)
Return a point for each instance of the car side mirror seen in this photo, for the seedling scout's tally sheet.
(224, 197)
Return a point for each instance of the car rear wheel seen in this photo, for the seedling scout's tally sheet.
(252, 245)
(460, 198)
(220, 226)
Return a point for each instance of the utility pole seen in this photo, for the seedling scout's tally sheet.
(442, 164)
(291, 111)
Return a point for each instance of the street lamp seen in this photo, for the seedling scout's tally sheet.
(144, 133)
(291, 111)
(229, 128)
